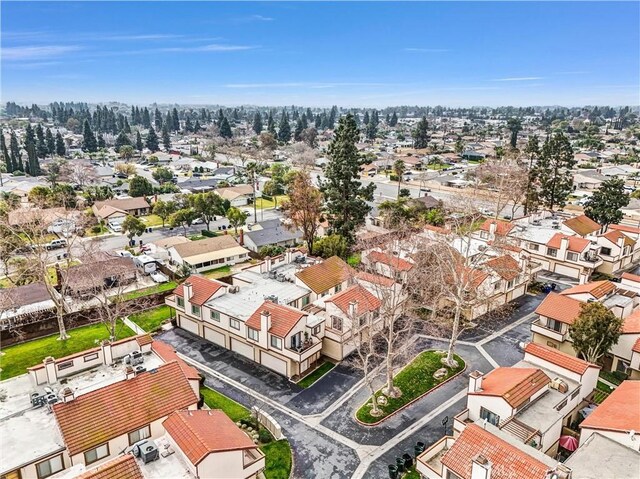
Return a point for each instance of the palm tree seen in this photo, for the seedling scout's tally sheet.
(398, 170)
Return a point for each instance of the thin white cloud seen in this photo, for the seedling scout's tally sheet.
(518, 79)
(35, 52)
(318, 85)
(30, 65)
(214, 47)
(261, 18)
(425, 50)
(141, 37)
(572, 73)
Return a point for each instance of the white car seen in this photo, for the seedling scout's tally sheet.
(159, 277)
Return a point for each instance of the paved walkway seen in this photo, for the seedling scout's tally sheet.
(319, 421)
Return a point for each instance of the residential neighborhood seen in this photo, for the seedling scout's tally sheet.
(266, 240)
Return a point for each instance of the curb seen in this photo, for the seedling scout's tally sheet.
(410, 402)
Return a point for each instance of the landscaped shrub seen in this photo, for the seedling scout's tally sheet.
(264, 436)
(209, 234)
(96, 229)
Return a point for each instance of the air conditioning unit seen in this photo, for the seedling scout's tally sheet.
(134, 358)
(140, 369)
(555, 225)
(146, 450)
(559, 385)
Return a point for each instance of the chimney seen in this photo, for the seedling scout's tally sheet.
(187, 291)
(241, 237)
(288, 255)
(493, 226)
(50, 369)
(564, 243)
(480, 468)
(353, 309)
(267, 263)
(475, 382)
(67, 395)
(265, 321)
(620, 241)
(130, 372)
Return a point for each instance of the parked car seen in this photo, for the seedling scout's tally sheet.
(61, 226)
(56, 244)
(197, 221)
(159, 277)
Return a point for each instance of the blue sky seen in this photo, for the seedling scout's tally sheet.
(319, 54)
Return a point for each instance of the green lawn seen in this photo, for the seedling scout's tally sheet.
(412, 474)
(414, 380)
(262, 203)
(18, 358)
(613, 377)
(151, 220)
(218, 272)
(89, 231)
(151, 319)
(277, 459)
(215, 400)
(309, 380)
(158, 288)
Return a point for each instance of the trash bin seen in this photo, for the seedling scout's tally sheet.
(408, 461)
(400, 464)
(418, 448)
(393, 471)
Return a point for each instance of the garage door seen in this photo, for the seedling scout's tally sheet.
(278, 365)
(215, 337)
(242, 348)
(572, 272)
(189, 325)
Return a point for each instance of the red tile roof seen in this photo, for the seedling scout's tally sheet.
(559, 307)
(201, 287)
(514, 385)
(393, 262)
(564, 360)
(366, 301)
(168, 354)
(326, 275)
(631, 324)
(123, 467)
(583, 225)
(99, 416)
(618, 412)
(502, 227)
(505, 266)
(507, 461)
(631, 277)
(625, 228)
(199, 433)
(576, 243)
(636, 346)
(615, 235)
(283, 318)
(144, 339)
(374, 279)
(597, 289)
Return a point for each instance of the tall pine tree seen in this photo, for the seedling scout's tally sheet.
(553, 171)
(89, 142)
(421, 134)
(139, 144)
(346, 198)
(61, 149)
(225, 129)
(257, 123)
(51, 142)
(152, 140)
(16, 154)
(284, 129)
(5, 153)
(271, 124)
(166, 138)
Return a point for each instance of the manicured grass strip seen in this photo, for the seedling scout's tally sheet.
(215, 400)
(151, 220)
(18, 358)
(414, 380)
(613, 377)
(218, 272)
(277, 459)
(151, 319)
(158, 288)
(307, 381)
(262, 203)
(412, 474)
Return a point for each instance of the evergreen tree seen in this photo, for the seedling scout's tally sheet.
(89, 142)
(514, 125)
(146, 118)
(175, 119)
(33, 161)
(157, 119)
(421, 134)
(605, 206)
(122, 140)
(394, 119)
(366, 118)
(41, 143)
(333, 114)
(139, 145)
(29, 136)
(372, 128)
(51, 142)
(553, 171)
(152, 140)
(101, 143)
(257, 123)
(188, 126)
(61, 149)
(5, 153)
(297, 134)
(284, 129)
(225, 129)
(346, 198)
(140, 186)
(197, 127)
(16, 154)
(166, 138)
(126, 128)
(271, 125)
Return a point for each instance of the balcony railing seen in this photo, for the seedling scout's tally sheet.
(305, 350)
(540, 328)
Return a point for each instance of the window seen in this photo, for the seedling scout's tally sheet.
(551, 344)
(215, 315)
(605, 251)
(622, 366)
(552, 252)
(139, 435)
(496, 286)
(305, 301)
(362, 320)
(338, 288)
(336, 323)
(234, 324)
(49, 467)
(534, 247)
(65, 365)
(510, 284)
(253, 334)
(561, 406)
(90, 357)
(489, 416)
(316, 330)
(96, 454)
(575, 393)
(276, 342)
(555, 325)
(484, 234)
(572, 256)
(195, 310)
(451, 475)
(180, 302)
